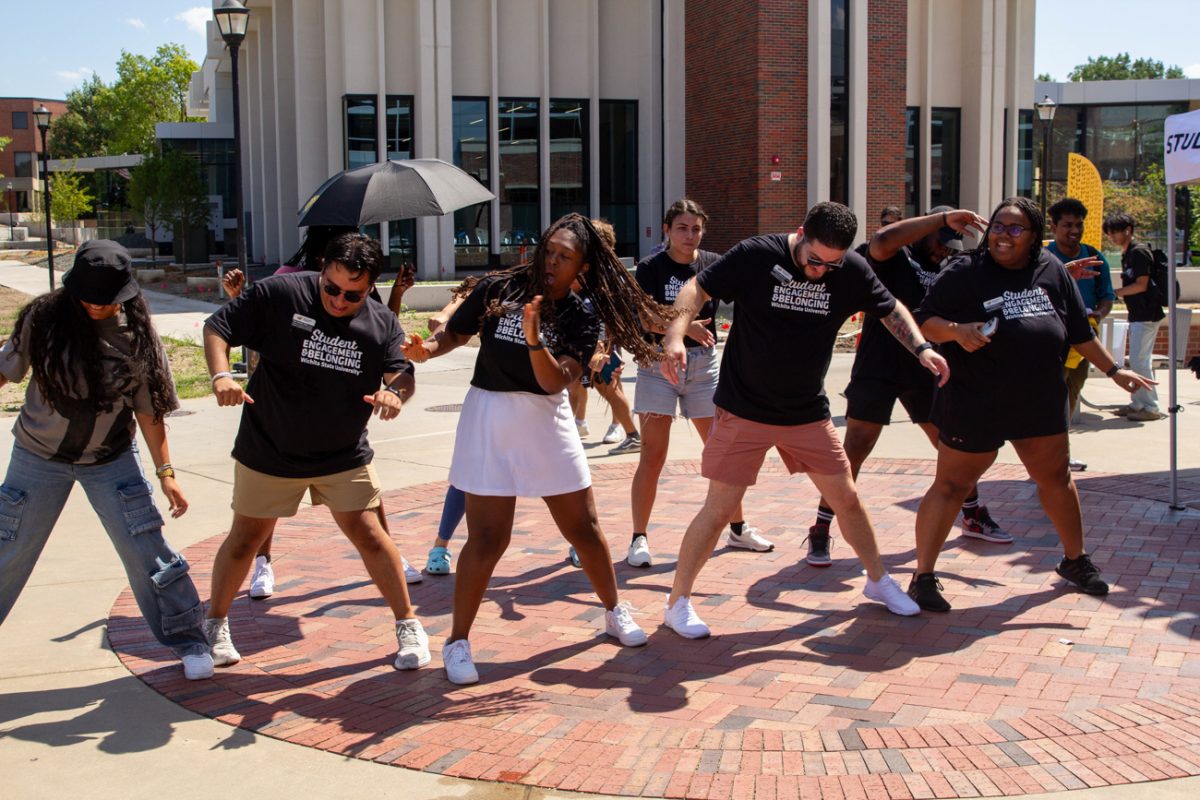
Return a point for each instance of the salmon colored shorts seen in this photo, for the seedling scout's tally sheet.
(737, 447)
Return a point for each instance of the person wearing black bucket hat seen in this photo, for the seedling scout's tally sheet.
(99, 373)
(906, 255)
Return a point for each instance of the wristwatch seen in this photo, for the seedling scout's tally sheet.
(923, 346)
(1113, 370)
(165, 471)
(539, 346)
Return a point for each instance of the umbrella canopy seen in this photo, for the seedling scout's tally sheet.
(388, 190)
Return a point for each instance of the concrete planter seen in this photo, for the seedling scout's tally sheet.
(148, 275)
(196, 283)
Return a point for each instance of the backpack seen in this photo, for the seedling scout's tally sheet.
(1160, 278)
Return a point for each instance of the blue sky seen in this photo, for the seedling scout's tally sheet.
(87, 36)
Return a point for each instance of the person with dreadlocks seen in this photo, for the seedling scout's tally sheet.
(99, 372)
(516, 435)
(1004, 316)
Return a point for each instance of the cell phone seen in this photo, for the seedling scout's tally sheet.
(606, 373)
(990, 326)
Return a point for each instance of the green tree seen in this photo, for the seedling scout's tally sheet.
(148, 195)
(1044, 77)
(1122, 68)
(70, 197)
(108, 120)
(186, 194)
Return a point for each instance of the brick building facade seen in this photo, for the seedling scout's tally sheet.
(20, 161)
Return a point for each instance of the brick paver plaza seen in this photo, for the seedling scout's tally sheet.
(805, 689)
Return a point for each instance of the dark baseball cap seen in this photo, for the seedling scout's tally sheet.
(947, 236)
(102, 274)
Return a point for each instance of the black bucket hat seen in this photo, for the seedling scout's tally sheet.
(102, 274)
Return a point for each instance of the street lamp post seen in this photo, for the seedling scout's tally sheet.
(12, 201)
(1045, 110)
(232, 18)
(42, 116)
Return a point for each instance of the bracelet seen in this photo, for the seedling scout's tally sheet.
(394, 391)
(922, 347)
(538, 346)
(165, 471)
(220, 375)
(1113, 370)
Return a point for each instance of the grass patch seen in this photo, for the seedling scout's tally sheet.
(188, 367)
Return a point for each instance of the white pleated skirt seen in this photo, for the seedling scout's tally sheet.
(517, 444)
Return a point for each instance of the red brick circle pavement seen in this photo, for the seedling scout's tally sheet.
(805, 689)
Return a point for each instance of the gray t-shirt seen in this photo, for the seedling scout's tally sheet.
(86, 437)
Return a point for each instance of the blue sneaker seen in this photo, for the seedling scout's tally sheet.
(439, 561)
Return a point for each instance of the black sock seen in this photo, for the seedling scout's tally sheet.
(635, 535)
(971, 505)
(736, 527)
(631, 435)
(824, 515)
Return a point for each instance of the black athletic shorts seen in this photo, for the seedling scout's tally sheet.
(975, 428)
(872, 399)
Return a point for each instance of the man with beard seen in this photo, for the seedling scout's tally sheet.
(906, 256)
(792, 292)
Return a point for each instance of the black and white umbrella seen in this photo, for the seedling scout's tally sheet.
(390, 190)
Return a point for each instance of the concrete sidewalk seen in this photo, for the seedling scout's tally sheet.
(75, 723)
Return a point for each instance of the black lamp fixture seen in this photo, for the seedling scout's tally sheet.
(41, 116)
(1045, 111)
(232, 19)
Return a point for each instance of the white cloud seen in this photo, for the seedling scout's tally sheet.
(134, 22)
(74, 74)
(1192, 71)
(195, 19)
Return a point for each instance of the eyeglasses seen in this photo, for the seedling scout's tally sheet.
(333, 290)
(813, 261)
(1013, 230)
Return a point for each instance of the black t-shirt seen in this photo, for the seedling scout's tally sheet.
(661, 277)
(1040, 313)
(784, 328)
(1137, 261)
(880, 355)
(568, 329)
(308, 417)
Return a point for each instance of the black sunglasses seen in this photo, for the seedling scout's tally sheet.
(333, 290)
(1013, 230)
(813, 261)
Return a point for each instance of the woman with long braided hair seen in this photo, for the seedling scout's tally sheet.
(516, 435)
(99, 373)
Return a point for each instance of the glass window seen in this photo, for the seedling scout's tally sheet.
(471, 154)
(619, 171)
(1111, 141)
(944, 137)
(1025, 152)
(20, 120)
(520, 183)
(361, 134)
(912, 163)
(839, 111)
(22, 164)
(402, 234)
(568, 157)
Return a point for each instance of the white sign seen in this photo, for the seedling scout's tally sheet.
(1181, 147)
(776, 176)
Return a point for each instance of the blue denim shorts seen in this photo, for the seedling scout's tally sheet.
(693, 395)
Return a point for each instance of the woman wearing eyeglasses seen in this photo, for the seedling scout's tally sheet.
(516, 435)
(1004, 316)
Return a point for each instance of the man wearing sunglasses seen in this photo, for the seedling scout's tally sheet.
(791, 295)
(906, 256)
(330, 358)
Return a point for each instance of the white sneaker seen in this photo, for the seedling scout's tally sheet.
(414, 644)
(887, 591)
(411, 574)
(262, 581)
(614, 434)
(197, 667)
(223, 651)
(750, 540)
(456, 657)
(682, 619)
(639, 553)
(619, 623)
(582, 427)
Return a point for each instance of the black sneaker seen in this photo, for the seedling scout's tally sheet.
(818, 546)
(1083, 573)
(925, 589)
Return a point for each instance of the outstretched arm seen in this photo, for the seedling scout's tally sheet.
(900, 323)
